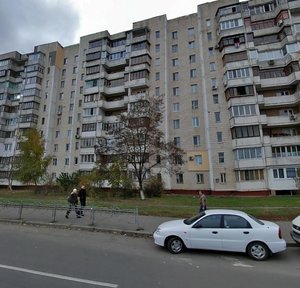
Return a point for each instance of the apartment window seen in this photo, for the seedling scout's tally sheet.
(72, 94)
(210, 51)
(245, 131)
(213, 83)
(73, 82)
(57, 133)
(157, 34)
(194, 88)
(175, 62)
(179, 178)
(176, 123)
(217, 117)
(71, 107)
(67, 146)
(198, 160)
(174, 35)
(238, 73)
(157, 76)
(75, 70)
(157, 48)
(70, 119)
(193, 73)
(221, 157)
(54, 162)
(177, 141)
(176, 107)
(212, 66)
(248, 153)
(196, 140)
(67, 161)
(65, 61)
(250, 175)
(215, 99)
(285, 151)
(157, 61)
(191, 44)
(55, 147)
(62, 84)
(223, 178)
(75, 58)
(192, 58)
(200, 178)
(175, 91)
(243, 110)
(63, 72)
(209, 36)
(219, 137)
(195, 104)
(195, 122)
(174, 48)
(191, 31)
(208, 23)
(81, 89)
(157, 91)
(176, 76)
(229, 24)
(284, 173)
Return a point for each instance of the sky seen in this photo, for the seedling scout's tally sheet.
(27, 23)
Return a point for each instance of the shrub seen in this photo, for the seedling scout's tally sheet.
(153, 187)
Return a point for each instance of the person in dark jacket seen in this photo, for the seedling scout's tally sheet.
(82, 198)
(73, 201)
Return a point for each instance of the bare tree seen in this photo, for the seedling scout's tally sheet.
(138, 141)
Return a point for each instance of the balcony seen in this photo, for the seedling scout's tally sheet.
(252, 185)
(283, 161)
(245, 120)
(249, 163)
(281, 140)
(114, 105)
(114, 90)
(246, 142)
(137, 83)
(291, 79)
(286, 100)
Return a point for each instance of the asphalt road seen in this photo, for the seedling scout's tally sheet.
(35, 257)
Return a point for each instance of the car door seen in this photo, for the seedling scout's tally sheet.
(237, 233)
(206, 233)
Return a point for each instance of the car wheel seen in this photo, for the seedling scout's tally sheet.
(258, 251)
(175, 245)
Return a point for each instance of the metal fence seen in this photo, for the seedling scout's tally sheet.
(105, 217)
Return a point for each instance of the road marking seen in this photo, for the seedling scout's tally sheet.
(240, 264)
(96, 283)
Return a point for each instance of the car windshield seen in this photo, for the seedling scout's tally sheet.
(191, 220)
(256, 220)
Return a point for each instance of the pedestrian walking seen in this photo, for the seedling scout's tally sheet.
(73, 202)
(82, 199)
(202, 201)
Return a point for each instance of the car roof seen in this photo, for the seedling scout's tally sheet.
(225, 211)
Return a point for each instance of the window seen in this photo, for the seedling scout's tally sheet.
(209, 36)
(193, 73)
(179, 178)
(212, 66)
(55, 147)
(177, 141)
(54, 161)
(176, 76)
(195, 104)
(176, 91)
(208, 23)
(75, 58)
(215, 99)
(210, 51)
(174, 48)
(157, 48)
(235, 222)
(200, 178)
(176, 107)
(63, 72)
(191, 44)
(176, 124)
(243, 110)
(157, 34)
(192, 59)
(73, 82)
(65, 61)
(217, 117)
(198, 159)
(221, 157)
(157, 62)
(250, 175)
(191, 31)
(245, 132)
(174, 35)
(72, 94)
(157, 76)
(238, 73)
(67, 161)
(196, 140)
(213, 83)
(175, 62)
(75, 70)
(194, 88)
(67, 146)
(248, 153)
(62, 84)
(219, 137)
(157, 91)
(223, 177)
(210, 222)
(195, 122)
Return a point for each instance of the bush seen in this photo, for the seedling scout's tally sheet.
(153, 187)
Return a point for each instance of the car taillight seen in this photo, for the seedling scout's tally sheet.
(279, 233)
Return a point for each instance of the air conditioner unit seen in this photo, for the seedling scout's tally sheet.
(77, 136)
(292, 117)
(280, 23)
(214, 87)
(191, 158)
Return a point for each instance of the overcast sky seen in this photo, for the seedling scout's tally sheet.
(27, 23)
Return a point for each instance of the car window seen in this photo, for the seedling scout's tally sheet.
(191, 220)
(211, 221)
(235, 222)
(256, 220)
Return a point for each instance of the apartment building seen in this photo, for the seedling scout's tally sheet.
(229, 77)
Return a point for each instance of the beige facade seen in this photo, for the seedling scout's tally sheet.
(228, 74)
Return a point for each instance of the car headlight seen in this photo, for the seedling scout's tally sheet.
(158, 230)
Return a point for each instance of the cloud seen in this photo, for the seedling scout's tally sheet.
(27, 23)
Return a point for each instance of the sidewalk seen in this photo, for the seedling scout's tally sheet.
(106, 220)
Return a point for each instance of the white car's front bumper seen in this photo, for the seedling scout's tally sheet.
(158, 238)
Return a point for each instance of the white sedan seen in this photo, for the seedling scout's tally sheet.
(223, 230)
(295, 233)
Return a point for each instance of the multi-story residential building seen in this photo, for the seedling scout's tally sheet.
(229, 76)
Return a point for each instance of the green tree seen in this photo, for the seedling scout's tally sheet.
(68, 181)
(31, 163)
(137, 140)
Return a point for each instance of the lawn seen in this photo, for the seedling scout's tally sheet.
(276, 208)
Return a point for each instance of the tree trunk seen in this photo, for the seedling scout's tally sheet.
(142, 195)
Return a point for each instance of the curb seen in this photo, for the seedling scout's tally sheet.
(130, 233)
